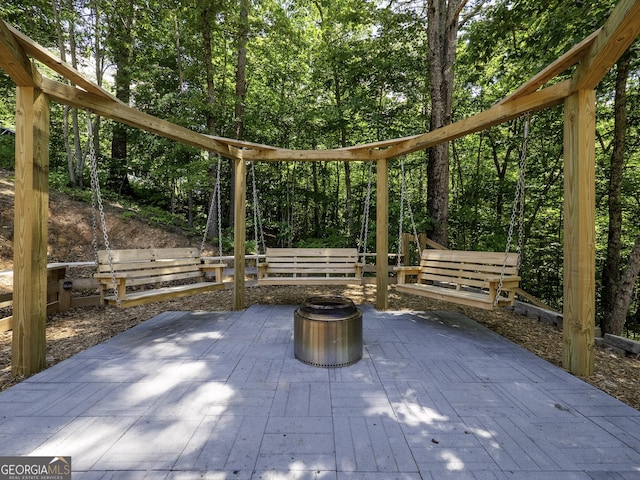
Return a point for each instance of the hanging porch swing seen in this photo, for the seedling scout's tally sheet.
(310, 266)
(131, 277)
(480, 279)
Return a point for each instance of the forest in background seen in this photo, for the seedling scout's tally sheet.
(317, 74)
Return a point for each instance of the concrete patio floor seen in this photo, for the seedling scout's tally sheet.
(219, 395)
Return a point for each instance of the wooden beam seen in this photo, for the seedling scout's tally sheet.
(239, 233)
(566, 61)
(378, 145)
(579, 233)
(502, 112)
(618, 33)
(243, 144)
(382, 234)
(39, 53)
(14, 61)
(74, 97)
(30, 232)
(283, 154)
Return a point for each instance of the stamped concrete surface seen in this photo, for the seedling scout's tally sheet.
(220, 396)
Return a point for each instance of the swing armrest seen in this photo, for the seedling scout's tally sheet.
(262, 270)
(105, 281)
(509, 285)
(404, 272)
(108, 276)
(510, 280)
(358, 269)
(216, 268)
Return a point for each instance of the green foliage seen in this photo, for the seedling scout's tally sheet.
(128, 215)
(228, 243)
(7, 152)
(332, 240)
(161, 217)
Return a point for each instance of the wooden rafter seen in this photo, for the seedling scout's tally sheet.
(14, 60)
(283, 154)
(502, 112)
(39, 53)
(75, 97)
(618, 33)
(566, 61)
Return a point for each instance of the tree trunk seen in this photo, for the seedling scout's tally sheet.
(616, 317)
(442, 29)
(611, 269)
(241, 86)
(343, 143)
(241, 68)
(65, 115)
(208, 69)
(349, 203)
(205, 16)
(121, 36)
(99, 64)
(176, 42)
(79, 155)
(316, 204)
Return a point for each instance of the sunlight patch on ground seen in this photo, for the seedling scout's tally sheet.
(454, 463)
(414, 415)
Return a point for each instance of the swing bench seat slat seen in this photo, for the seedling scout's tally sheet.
(310, 266)
(463, 277)
(158, 268)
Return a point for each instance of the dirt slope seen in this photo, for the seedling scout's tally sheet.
(71, 228)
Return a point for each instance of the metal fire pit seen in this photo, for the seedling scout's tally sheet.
(327, 332)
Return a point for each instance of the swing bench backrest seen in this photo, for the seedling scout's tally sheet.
(310, 266)
(464, 277)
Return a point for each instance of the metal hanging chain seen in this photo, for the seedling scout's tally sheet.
(94, 211)
(413, 223)
(403, 186)
(364, 229)
(96, 198)
(257, 221)
(518, 209)
(209, 219)
(219, 200)
(207, 227)
(405, 196)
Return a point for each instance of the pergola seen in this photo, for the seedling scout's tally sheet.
(595, 55)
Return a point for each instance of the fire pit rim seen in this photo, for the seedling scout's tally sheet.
(326, 307)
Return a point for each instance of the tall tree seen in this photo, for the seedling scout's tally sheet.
(99, 56)
(65, 14)
(611, 271)
(241, 68)
(120, 39)
(443, 22)
(615, 318)
(442, 31)
(618, 283)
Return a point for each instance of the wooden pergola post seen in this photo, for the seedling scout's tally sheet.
(382, 234)
(30, 232)
(240, 231)
(579, 232)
